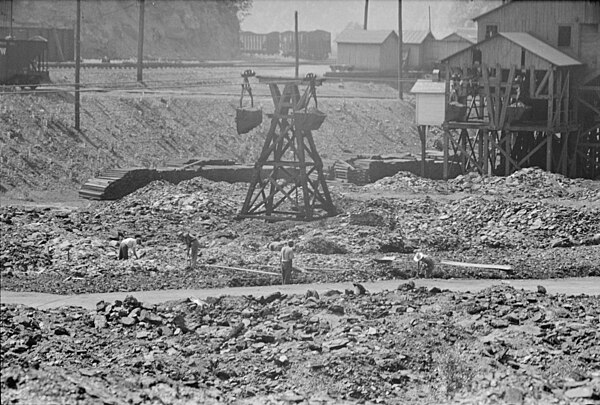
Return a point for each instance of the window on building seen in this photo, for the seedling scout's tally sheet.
(490, 31)
(564, 35)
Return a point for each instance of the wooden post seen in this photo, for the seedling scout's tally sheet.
(423, 129)
(550, 98)
(366, 18)
(464, 135)
(565, 152)
(507, 149)
(77, 66)
(446, 152)
(140, 54)
(549, 137)
(480, 147)
(297, 44)
(486, 152)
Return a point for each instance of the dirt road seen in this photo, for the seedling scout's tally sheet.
(570, 286)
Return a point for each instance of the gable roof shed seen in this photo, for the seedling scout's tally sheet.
(505, 48)
(364, 36)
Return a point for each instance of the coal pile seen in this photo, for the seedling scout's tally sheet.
(409, 345)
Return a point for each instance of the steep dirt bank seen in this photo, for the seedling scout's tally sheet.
(40, 149)
(175, 29)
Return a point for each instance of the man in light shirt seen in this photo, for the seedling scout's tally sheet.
(127, 245)
(287, 255)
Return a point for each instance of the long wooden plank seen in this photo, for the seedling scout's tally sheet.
(478, 265)
(241, 269)
(506, 99)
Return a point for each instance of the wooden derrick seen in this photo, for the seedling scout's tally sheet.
(295, 186)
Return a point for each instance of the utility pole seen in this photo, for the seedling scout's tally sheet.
(77, 64)
(140, 55)
(366, 14)
(400, 58)
(297, 44)
(11, 18)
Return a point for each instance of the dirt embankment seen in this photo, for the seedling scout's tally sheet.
(41, 150)
(174, 29)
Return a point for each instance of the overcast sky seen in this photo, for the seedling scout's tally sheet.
(334, 15)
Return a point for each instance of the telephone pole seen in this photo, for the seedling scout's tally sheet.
(366, 14)
(140, 55)
(297, 44)
(77, 64)
(400, 58)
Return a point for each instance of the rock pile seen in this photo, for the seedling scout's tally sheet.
(412, 345)
(525, 183)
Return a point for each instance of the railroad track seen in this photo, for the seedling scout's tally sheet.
(178, 64)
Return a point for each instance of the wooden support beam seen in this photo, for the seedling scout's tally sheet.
(532, 152)
(486, 152)
(588, 105)
(564, 155)
(507, 148)
(488, 95)
(550, 99)
(550, 136)
(531, 80)
(506, 99)
(423, 135)
(567, 98)
(538, 92)
(480, 149)
(446, 153)
(463, 147)
(468, 156)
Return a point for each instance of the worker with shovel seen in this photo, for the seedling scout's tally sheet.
(427, 263)
(192, 245)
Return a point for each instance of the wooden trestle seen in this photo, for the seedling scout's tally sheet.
(295, 187)
(490, 141)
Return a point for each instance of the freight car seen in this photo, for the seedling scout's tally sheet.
(251, 42)
(23, 62)
(314, 45)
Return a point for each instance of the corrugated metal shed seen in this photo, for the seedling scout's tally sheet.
(427, 86)
(414, 37)
(540, 48)
(364, 36)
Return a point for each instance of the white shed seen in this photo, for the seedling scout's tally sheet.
(430, 102)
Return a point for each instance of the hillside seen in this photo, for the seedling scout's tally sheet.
(41, 150)
(174, 29)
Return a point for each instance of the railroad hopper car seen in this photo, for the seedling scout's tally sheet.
(23, 62)
(314, 45)
(251, 42)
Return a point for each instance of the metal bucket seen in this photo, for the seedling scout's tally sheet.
(309, 120)
(246, 119)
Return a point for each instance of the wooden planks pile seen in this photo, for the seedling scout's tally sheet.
(116, 183)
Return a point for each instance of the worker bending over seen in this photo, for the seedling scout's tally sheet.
(192, 245)
(127, 245)
(426, 261)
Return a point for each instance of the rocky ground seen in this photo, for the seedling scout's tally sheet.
(404, 346)
(74, 250)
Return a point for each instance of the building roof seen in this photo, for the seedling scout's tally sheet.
(427, 86)
(364, 36)
(458, 36)
(540, 48)
(414, 37)
(492, 10)
(532, 44)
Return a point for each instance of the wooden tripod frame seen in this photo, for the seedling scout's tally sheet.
(288, 180)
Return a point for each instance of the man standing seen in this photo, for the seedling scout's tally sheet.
(128, 244)
(287, 255)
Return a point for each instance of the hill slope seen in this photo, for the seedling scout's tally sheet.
(174, 29)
